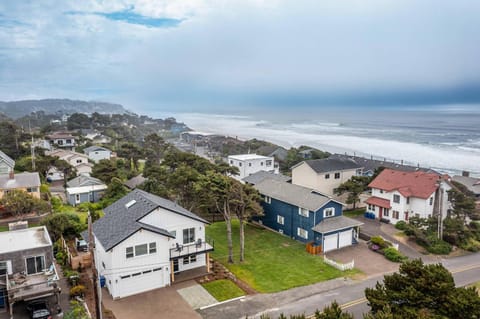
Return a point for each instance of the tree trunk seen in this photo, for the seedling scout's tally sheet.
(228, 221)
(242, 239)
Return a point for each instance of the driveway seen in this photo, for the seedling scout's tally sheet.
(158, 303)
(367, 261)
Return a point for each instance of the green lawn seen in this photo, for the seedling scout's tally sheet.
(272, 262)
(354, 213)
(223, 289)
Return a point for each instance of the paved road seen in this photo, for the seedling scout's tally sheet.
(350, 294)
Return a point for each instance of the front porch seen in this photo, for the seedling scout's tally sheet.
(191, 274)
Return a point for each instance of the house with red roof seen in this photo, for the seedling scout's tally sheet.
(398, 195)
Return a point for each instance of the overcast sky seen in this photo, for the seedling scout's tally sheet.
(199, 55)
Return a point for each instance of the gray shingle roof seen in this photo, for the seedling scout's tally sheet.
(261, 175)
(121, 222)
(331, 164)
(292, 194)
(20, 180)
(95, 148)
(10, 162)
(472, 183)
(135, 181)
(331, 224)
(83, 180)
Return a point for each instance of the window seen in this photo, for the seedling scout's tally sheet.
(327, 176)
(239, 164)
(189, 259)
(129, 252)
(250, 164)
(408, 200)
(77, 198)
(35, 264)
(329, 212)
(302, 233)
(396, 198)
(32, 189)
(280, 220)
(231, 162)
(337, 175)
(431, 201)
(188, 235)
(173, 233)
(268, 200)
(193, 258)
(261, 163)
(381, 191)
(303, 211)
(103, 265)
(268, 162)
(395, 214)
(68, 141)
(385, 212)
(141, 250)
(3, 268)
(152, 248)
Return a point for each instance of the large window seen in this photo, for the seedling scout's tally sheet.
(395, 214)
(3, 268)
(188, 235)
(280, 219)
(329, 212)
(268, 162)
(396, 198)
(189, 259)
(337, 175)
(303, 211)
(35, 264)
(302, 233)
(327, 176)
(140, 250)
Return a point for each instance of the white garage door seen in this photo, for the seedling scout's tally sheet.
(345, 238)
(330, 242)
(138, 282)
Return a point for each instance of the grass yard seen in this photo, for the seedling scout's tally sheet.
(272, 262)
(354, 213)
(223, 289)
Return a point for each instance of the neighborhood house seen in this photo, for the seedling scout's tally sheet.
(306, 215)
(84, 189)
(97, 153)
(27, 182)
(399, 195)
(6, 164)
(248, 164)
(324, 175)
(144, 241)
(62, 140)
(26, 266)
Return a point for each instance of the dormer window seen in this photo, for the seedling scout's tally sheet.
(329, 212)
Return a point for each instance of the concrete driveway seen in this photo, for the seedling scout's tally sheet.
(158, 303)
(367, 261)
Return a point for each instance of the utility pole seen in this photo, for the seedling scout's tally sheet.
(91, 243)
(32, 147)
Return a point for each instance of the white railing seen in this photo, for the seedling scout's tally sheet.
(338, 265)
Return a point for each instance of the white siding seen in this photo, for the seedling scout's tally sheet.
(96, 156)
(251, 166)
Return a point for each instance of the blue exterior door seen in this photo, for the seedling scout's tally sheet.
(3, 296)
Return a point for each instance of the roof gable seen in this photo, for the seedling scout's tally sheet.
(409, 184)
(83, 180)
(7, 159)
(20, 180)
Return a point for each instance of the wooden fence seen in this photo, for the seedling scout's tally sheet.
(338, 265)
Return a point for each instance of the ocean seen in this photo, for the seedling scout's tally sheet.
(445, 138)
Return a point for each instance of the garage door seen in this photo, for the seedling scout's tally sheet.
(345, 238)
(330, 242)
(138, 282)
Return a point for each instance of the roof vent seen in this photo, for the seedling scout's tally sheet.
(130, 204)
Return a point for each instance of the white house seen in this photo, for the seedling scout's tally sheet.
(248, 164)
(77, 160)
(97, 153)
(144, 240)
(399, 195)
(324, 175)
(6, 164)
(63, 140)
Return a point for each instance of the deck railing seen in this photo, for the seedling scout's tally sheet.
(191, 249)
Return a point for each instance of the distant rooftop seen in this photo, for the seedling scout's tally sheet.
(20, 180)
(22, 239)
(246, 157)
(331, 164)
(260, 176)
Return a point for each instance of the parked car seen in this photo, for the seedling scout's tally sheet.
(81, 244)
(39, 310)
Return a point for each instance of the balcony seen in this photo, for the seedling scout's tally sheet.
(195, 248)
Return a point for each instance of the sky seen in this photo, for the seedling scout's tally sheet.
(193, 55)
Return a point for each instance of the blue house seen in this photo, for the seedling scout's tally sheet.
(306, 215)
(84, 189)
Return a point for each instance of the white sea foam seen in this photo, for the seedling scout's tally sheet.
(334, 138)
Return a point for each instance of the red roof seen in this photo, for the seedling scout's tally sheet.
(377, 201)
(409, 184)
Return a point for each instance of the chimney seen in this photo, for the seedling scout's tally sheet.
(465, 173)
(11, 175)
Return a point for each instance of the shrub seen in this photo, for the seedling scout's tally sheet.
(77, 311)
(438, 246)
(401, 225)
(377, 240)
(471, 245)
(72, 276)
(77, 291)
(61, 258)
(394, 255)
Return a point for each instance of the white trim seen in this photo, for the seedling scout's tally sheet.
(280, 220)
(38, 272)
(328, 209)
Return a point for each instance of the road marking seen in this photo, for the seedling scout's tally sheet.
(353, 303)
(465, 268)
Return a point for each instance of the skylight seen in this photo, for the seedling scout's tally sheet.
(130, 203)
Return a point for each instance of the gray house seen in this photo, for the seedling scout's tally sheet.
(84, 189)
(6, 164)
(97, 153)
(26, 266)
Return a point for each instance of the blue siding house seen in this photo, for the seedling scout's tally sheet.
(306, 215)
(84, 189)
